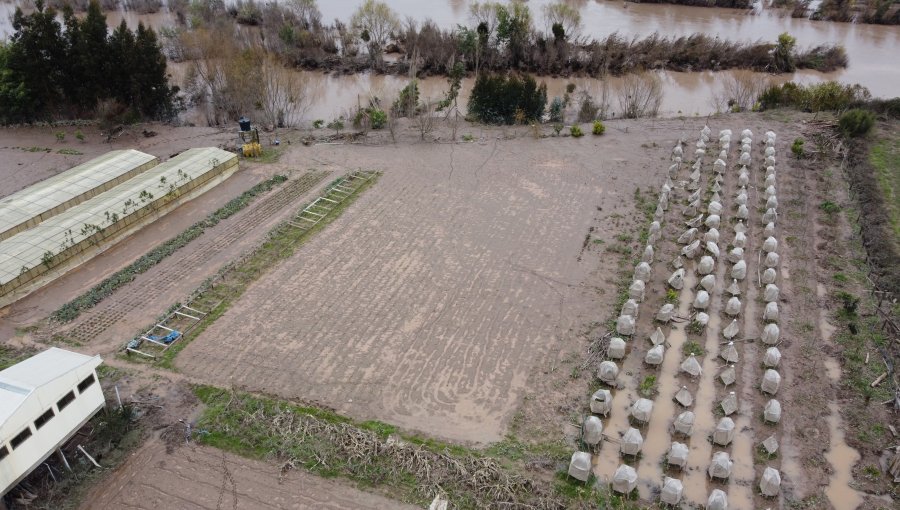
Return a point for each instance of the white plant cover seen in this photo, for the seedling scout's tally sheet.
(642, 409)
(658, 337)
(770, 293)
(772, 203)
(770, 191)
(725, 140)
(694, 196)
(708, 282)
(625, 479)
(746, 133)
(771, 382)
(684, 424)
(740, 240)
(746, 147)
(770, 160)
(770, 244)
(659, 213)
(730, 353)
(733, 306)
(601, 402)
(729, 404)
(642, 271)
(770, 444)
(632, 442)
(772, 357)
(648, 254)
(724, 433)
(706, 131)
(678, 151)
(580, 466)
(736, 254)
(721, 465)
(771, 312)
(770, 170)
(739, 227)
(712, 248)
(699, 153)
(770, 135)
(743, 179)
(745, 158)
(717, 185)
(663, 201)
(769, 216)
(690, 251)
(673, 169)
(653, 238)
(719, 166)
(678, 262)
(608, 372)
(728, 375)
(772, 411)
(723, 154)
(770, 483)
(707, 265)
(717, 500)
(741, 198)
(769, 276)
(654, 227)
(770, 151)
(592, 430)
(665, 312)
(687, 236)
(734, 289)
(770, 180)
(684, 397)
(701, 300)
(616, 349)
(742, 212)
(695, 222)
(739, 270)
(701, 144)
(655, 355)
(630, 308)
(772, 259)
(672, 491)
(711, 235)
(676, 280)
(702, 318)
(712, 221)
(636, 290)
(770, 334)
(725, 132)
(695, 175)
(691, 366)
(731, 330)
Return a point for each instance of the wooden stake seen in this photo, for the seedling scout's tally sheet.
(877, 381)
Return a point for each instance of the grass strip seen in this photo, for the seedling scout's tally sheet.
(71, 310)
(233, 279)
(375, 455)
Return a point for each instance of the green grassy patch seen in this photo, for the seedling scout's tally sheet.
(692, 347)
(70, 152)
(884, 156)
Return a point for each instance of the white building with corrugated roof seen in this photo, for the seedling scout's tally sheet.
(44, 401)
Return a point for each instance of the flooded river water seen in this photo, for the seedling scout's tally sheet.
(870, 48)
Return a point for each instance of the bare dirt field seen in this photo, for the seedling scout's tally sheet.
(458, 295)
(199, 477)
(433, 299)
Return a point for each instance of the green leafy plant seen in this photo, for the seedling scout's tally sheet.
(60, 136)
(854, 123)
(647, 387)
(318, 123)
(337, 125)
(797, 148)
(576, 132)
(467, 137)
(79, 135)
(557, 128)
(829, 207)
(671, 296)
(598, 128)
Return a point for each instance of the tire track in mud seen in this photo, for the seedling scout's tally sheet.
(171, 272)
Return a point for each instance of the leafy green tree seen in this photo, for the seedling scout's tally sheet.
(153, 96)
(37, 57)
(497, 99)
(88, 57)
(783, 57)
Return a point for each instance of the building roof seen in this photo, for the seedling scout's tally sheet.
(80, 181)
(19, 381)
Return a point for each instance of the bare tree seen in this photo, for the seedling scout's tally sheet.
(484, 12)
(375, 21)
(641, 95)
(738, 91)
(284, 99)
(566, 16)
(424, 118)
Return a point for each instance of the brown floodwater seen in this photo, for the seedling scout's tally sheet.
(870, 49)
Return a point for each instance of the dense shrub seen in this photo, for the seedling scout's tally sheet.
(576, 131)
(856, 122)
(797, 148)
(598, 128)
(498, 99)
(827, 96)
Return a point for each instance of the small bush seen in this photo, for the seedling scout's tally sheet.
(797, 148)
(856, 123)
(79, 135)
(829, 207)
(557, 128)
(557, 108)
(598, 128)
(318, 123)
(377, 118)
(498, 99)
(337, 125)
(60, 136)
(576, 132)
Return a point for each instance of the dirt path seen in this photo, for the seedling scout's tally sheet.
(201, 478)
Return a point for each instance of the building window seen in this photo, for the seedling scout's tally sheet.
(66, 400)
(20, 438)
(4, 451)
(44, 418)
(86, 383)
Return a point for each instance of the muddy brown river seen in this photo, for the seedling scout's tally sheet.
(870, 49)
